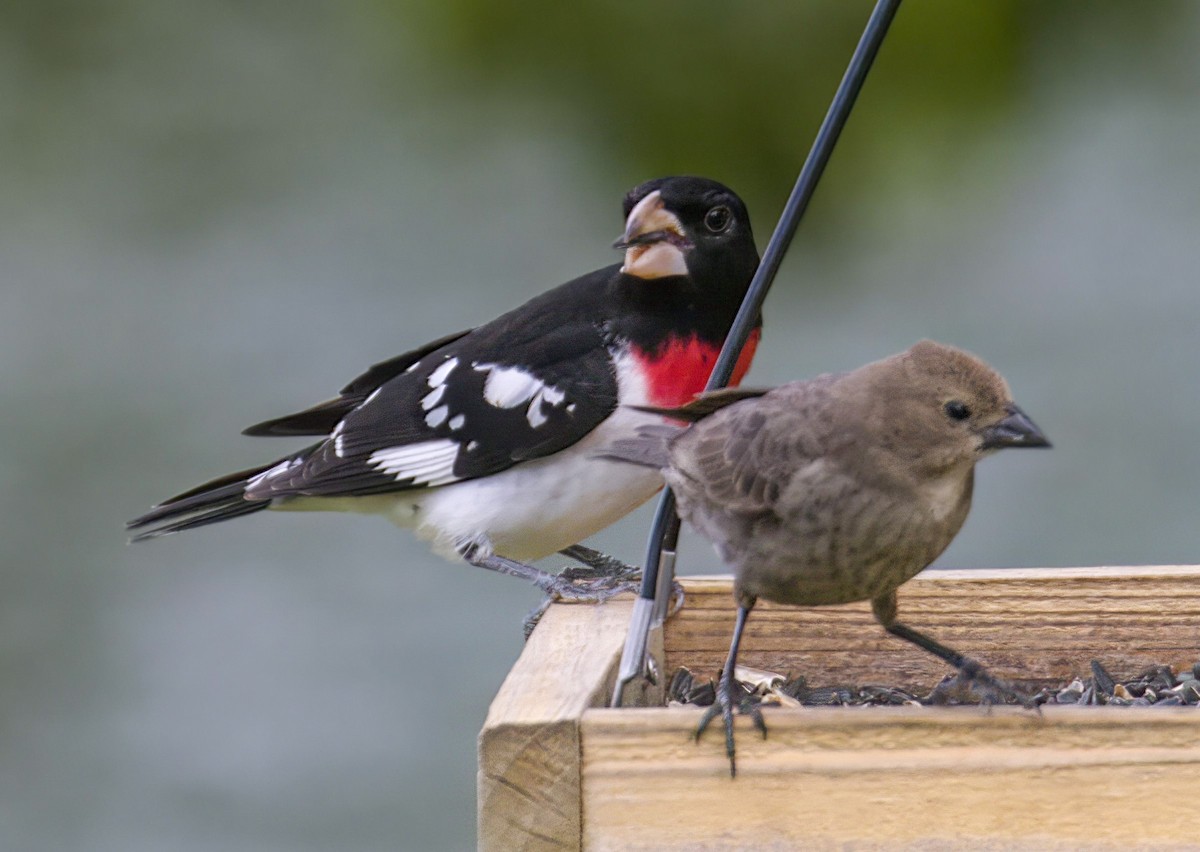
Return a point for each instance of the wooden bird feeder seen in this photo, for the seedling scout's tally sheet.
(558, 770)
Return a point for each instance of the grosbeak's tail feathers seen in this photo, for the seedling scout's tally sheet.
(217, 500)
(222, 510)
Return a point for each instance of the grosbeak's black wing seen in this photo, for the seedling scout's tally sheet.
(527, 385)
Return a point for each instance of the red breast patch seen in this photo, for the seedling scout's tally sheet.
(680, 369)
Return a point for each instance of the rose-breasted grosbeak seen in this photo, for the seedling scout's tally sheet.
(485, 441)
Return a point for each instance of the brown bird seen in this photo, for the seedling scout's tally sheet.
(836, 489)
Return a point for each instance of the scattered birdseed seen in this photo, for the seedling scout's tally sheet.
(1157, 686)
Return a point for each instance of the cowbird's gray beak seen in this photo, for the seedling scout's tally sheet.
(1015, 430)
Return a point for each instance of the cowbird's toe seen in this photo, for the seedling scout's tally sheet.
(731, 697)
(974, 680)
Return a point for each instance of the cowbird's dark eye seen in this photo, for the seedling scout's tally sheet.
(957, 410)
(718, 219)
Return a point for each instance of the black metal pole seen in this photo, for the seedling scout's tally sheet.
(665, 530)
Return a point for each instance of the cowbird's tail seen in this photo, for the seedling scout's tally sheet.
(651, 447)
(705, 404)
(218, 500)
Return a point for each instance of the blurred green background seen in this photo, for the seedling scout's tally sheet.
(217, 212)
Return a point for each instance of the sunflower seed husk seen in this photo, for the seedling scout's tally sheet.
(1157, 686)
(758, 681)
(1189, 691)
(1071, 694)
(1102, 680)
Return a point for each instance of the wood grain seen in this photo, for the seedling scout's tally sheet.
(1034, 626)
(895, 778)
(528, 785)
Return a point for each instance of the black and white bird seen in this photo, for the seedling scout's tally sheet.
(485, 442)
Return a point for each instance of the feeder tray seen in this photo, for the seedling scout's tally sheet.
(558, 770)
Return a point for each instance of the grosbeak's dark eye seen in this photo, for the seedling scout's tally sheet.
(957, 410)
(718, 219)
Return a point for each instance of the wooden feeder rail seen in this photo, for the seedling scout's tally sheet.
(558, 770)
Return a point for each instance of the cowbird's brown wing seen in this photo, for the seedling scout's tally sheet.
(741, 459)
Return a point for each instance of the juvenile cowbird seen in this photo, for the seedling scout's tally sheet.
(485, 441)
(836, 489)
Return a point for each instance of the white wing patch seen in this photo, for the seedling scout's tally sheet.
(550, 395)
(336, 435)
(433, 397)
(438, 377)
(436, 414)
(426, 463)
(534, 413)
(510, 387)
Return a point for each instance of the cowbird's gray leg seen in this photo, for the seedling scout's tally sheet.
(969, 671)
(726, 700)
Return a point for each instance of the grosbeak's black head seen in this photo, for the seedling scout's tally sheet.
(687, 226)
